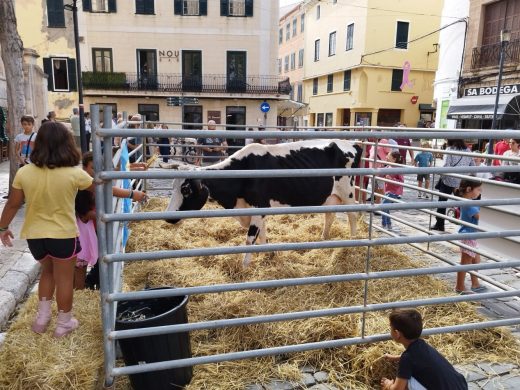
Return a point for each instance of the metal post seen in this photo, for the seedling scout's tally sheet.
(82, 134)
(504, 40)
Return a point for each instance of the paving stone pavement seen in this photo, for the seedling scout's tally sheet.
(18, 272)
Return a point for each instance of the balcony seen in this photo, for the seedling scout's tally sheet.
(210, 83)
(489, 55)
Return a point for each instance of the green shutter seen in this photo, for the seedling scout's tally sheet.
(249, 7)
(112, 7)
(55, 13)
(87, 6)
(203, 7)
(224, 7)
(177, 7)
(73, 80)
(47, 69)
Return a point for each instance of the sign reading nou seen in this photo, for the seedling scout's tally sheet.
(483, 91)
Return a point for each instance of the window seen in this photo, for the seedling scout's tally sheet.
(347, 76)
(315, 86)
(150, 111)
(236, 71)
(279, 66)
(61, 74)
(300, 58)
(318, 12)
(291, 94)
(236, 7)
(328, 119)
(397, 79)
(280, 36)
(330, 83)
(401, 37)
(302, 23)
(294, 27)
(293, 61)
(55, 13)
(319, 120)
(99, 5)
(350, 37)
(102, 60)
(286, 67)
(316, 50)
(190, 7)
(332, 43)
(144, 7)
(288, 31)
(300, 93)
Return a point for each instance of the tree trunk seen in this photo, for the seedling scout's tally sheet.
(12, 56)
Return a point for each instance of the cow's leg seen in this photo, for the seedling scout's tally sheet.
(344, 190)
(332, 200)
(255, 230)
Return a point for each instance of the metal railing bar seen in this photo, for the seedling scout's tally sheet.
(232, 356)
(212, 251)
(276, 173)
(303, 315)
(312, 280)
(240, 134)
(217, 213)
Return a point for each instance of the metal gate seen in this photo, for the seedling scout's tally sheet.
(112, 259)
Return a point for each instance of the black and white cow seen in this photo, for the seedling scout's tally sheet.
(192, 194)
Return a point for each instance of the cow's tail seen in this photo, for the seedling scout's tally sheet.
(357, 157)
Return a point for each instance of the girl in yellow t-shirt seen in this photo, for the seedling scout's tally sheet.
(49, 186)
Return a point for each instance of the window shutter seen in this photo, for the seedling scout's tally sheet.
(249, 7)
(397, 79)
(87, 6)
(224, 7)
(112, 6)
(73, 80)
(55, 13)
(203, 7)
(47, 69)
(177, 7)
(139, 6)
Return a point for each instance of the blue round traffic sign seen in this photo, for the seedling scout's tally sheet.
(265, 107)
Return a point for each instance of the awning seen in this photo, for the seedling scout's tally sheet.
(288, 108)
(482, 107)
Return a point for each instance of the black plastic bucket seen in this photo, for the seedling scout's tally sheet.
(140, 350)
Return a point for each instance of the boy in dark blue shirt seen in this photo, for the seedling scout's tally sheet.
(421, 366)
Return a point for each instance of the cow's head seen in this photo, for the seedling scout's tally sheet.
(188, 194)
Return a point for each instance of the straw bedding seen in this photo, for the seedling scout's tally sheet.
(40, 362)
(358, 366)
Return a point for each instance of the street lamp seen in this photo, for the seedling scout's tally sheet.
(82, 136)
(505, 36)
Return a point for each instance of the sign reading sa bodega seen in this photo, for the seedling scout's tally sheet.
(484, 91)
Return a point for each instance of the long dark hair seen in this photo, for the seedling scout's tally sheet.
(458, 144)
(397, 157)
(54, 147)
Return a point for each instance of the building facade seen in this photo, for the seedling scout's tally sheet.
(370, 62)
(177, 61)
(474, 109)
(184, 61)
(46, 29)
(291, 55)
(451, 49)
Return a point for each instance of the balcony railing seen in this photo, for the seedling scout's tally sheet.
(212, 83)
(489, 55)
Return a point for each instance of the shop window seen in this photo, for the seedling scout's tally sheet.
(328, 119)
(319, 120)
(150, 111)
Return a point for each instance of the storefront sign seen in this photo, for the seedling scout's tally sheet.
(475, 116)
(484, 91)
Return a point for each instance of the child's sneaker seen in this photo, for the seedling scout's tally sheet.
(43, 316)
(66, 324)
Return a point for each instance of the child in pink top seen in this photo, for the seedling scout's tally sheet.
(392, 190)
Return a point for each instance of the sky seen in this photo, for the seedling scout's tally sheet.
(283, 3)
